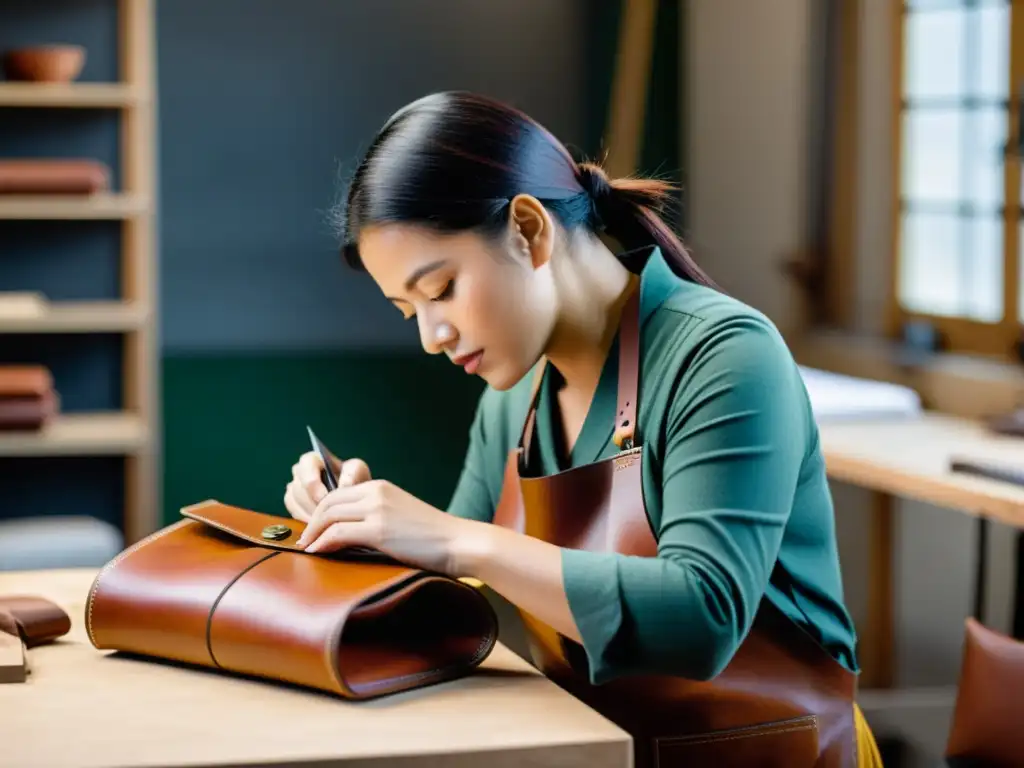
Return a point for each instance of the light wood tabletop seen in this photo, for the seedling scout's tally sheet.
(909, 457)
(86, 708)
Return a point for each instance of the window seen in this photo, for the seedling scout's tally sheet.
(958, 224)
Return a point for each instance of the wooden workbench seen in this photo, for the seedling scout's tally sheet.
(909, 457)
(85, 708)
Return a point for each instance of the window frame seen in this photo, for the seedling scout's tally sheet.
(959, 334)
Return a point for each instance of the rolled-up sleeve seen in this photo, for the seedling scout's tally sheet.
(735, 438)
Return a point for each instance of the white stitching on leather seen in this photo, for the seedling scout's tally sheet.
(804, 723)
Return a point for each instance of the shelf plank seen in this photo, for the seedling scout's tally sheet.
(78, 317)
(103, 205)
(78, 434)
(68, 95)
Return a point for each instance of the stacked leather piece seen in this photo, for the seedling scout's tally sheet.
(27, 398)
(54, 177)
(25, 622)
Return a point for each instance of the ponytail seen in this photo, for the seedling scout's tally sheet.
(453, 161)
(630, 210)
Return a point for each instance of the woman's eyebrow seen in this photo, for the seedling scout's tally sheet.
(417, 275)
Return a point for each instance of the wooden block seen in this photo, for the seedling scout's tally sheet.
(13, 668)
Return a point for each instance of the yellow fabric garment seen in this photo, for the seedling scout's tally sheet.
(867, 750)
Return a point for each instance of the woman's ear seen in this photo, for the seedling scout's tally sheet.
(533, 229)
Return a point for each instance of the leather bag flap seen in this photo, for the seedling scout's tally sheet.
(263, 530)
(257, 528)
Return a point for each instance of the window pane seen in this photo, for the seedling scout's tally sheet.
(930, 275)
(956, 73)
(954, 156)
(983, 269)
(915, 5)
(989, 51)
(934, 51)
(931, 155)
(985, 140)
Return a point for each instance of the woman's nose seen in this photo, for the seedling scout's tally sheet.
(437, 335)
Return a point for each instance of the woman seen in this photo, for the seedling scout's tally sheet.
(644, 479)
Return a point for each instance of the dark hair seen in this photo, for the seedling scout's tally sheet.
(453, 161)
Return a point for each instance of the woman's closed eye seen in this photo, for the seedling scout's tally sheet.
(446, 293)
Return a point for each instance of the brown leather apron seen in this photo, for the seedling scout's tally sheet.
(781, 701)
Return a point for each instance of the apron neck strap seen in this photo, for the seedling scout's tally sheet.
(629, 372)
(628, 386)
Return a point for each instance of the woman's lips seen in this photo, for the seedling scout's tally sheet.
(471, 362)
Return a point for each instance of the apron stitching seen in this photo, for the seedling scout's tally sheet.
(764, 731)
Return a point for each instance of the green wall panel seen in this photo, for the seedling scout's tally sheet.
(234, 423)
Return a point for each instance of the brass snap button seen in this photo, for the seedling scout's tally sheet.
(277, 532)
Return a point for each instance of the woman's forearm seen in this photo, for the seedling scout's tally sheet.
(525, 571)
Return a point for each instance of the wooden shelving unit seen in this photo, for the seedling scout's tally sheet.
(102, 205)
(80, 317)
(95, 434)
(70, 95)
(135, 431)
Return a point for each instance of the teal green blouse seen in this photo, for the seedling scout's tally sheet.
(734, 482)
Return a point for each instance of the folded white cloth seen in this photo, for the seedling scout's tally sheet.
(61, 541)
(837, 396)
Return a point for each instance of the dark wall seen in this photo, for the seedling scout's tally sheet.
(263, 110)
(263, 107)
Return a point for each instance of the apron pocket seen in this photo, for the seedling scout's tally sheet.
(789, 743)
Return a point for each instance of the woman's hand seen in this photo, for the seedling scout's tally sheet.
(307, 489)
(380, 515)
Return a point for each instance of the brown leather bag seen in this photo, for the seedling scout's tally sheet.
(227, 588)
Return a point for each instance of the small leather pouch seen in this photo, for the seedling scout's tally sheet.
(987, 719)
(25, 622)
(228, 588)
(35, 620)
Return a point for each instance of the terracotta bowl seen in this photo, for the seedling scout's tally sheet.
(45, 63)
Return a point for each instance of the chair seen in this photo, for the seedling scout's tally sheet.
(988, 717)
